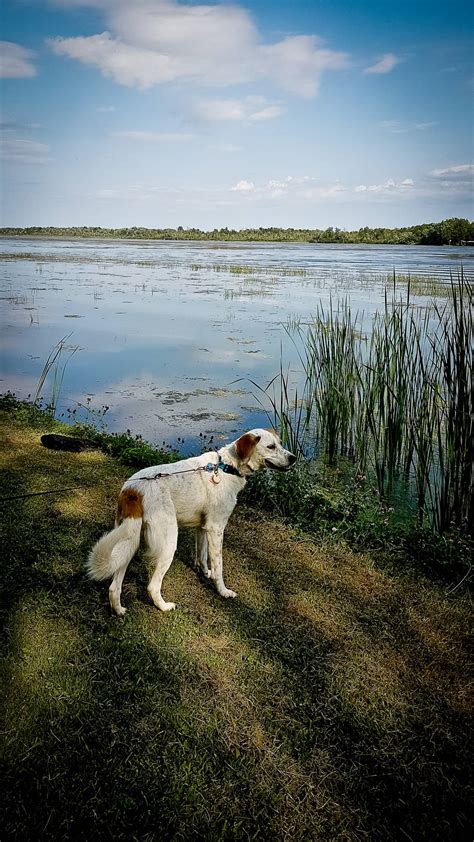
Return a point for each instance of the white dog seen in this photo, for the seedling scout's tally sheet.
(200, 492)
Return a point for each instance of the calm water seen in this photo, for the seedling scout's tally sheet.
(171, 334)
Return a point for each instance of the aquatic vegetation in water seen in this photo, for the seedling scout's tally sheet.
(56, 366)
(234, 269)
(398, 404)
(421, 285)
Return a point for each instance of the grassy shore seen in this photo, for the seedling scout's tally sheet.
(328, 701)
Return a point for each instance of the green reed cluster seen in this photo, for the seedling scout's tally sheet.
(398, 402)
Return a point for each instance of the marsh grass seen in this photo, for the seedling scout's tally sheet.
(250, 269)
(398, 403)
(421, 285)
(329, 701)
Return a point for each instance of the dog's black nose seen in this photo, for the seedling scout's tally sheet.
(292, 459)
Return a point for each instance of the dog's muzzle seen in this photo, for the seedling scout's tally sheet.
(274, 467)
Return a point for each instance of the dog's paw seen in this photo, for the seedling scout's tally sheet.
(120, 611)
(227, 594)
(168, 606)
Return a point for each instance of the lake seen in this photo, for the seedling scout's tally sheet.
(170, 335)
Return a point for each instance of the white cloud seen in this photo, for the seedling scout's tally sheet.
(252, 108)
(23, 151)
(154, 137)
(243, 186)
(267, 113)
(422, 127)
(298, 62)
(399, 127)
(15, 61)
(152, 42)
(387, 188)
(306, 188)
(455, 180)
(385, 64)
(456, 172)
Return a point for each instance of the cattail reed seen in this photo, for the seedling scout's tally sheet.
(399, 404)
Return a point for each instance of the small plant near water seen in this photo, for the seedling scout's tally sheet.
(54, 369)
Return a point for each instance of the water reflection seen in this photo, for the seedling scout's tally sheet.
(165, 329)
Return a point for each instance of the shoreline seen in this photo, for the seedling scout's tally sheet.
(225, 241)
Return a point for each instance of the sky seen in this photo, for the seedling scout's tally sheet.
(302, 114)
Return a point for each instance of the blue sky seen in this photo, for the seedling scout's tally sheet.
(304, 114)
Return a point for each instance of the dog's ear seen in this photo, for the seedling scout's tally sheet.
(245, 445)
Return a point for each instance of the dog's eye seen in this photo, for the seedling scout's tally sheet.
(271, 446)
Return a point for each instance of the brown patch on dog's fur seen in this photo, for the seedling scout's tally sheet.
(130, 504)
(245, 445)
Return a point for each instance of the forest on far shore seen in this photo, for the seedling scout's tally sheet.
(452, 232)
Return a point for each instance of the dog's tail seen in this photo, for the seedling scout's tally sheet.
(116, 548)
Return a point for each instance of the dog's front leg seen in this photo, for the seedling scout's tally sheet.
(215, 538)
(201, 551)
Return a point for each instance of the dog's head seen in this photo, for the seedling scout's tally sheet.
(262, 449)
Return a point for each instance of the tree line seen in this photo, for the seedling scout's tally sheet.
(448, 232)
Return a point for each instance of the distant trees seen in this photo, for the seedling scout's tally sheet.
(448, 232)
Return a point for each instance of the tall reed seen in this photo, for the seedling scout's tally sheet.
(55, 366)
(453, 349)
(399, 404)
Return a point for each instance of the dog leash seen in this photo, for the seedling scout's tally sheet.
(211, 468)
(40, 493)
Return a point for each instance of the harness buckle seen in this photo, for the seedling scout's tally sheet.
(215, 474)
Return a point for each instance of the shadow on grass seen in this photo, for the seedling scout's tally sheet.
(263, 717)
(369, 690)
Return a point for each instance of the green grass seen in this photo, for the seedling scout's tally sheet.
(328, 701)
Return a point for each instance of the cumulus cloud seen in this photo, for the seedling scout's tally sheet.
(152, 42)
(252, 108)
(387, 187)
(304, 187)
(385, 64)
(243, 186)
(307, 188)
(298, 62)
(15, 61)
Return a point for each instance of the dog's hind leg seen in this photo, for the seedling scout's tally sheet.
(201, 551)
(161, 538)
(115, 590)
